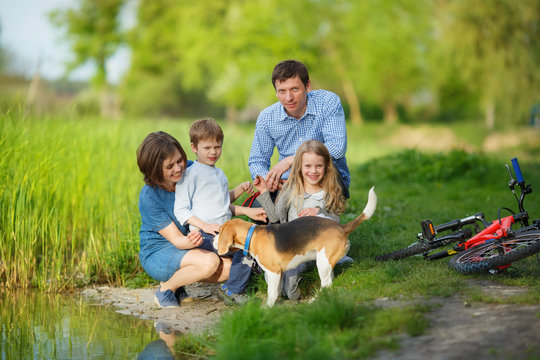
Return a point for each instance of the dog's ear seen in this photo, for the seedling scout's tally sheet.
(225, 241)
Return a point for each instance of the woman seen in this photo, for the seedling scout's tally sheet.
(168, 253)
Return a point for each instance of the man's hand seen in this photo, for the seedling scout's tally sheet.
(309, 212)
(273, 178)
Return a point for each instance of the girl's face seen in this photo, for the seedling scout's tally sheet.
(313, 169)
(173, 169)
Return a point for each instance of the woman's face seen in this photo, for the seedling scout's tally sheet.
(173, 169)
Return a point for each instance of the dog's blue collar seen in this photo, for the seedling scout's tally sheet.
(248, 239)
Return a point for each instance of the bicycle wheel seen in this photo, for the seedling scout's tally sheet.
(491, 256)
(415, 249)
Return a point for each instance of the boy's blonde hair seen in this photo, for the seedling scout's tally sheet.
(203, 129)
(334, 199)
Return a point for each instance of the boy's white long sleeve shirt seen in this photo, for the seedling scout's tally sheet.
(203, 192)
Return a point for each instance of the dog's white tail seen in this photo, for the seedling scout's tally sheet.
(365, 215)
(371, 204)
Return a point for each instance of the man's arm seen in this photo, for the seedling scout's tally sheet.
(334, 128)
(262, 149)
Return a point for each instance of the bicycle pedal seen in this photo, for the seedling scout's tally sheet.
(428, 230)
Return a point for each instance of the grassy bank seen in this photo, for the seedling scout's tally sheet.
(68, 217)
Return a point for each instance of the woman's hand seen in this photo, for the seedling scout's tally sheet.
(309, 212)
(194, 238)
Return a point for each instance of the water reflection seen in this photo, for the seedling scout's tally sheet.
(162, 347)
(50, 326)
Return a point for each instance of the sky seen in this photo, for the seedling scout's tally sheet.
(27, 33)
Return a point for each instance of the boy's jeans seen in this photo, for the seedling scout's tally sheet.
(239, 273)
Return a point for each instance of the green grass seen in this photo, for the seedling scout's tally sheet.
(68, 217)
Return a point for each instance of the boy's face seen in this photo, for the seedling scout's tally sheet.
(208, 151)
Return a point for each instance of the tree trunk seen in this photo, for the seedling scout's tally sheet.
(390, 113)
(490, 114)
(231, 115)
(352, 100)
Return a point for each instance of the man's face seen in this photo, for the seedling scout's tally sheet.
(208, 151)
(292, 94)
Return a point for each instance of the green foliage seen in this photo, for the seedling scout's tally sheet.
(69, 217)
(495, 46)
(93, 31)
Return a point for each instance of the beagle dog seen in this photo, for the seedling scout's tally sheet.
(281, 247)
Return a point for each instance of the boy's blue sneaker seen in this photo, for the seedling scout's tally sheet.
(165, 299)
(230, 298)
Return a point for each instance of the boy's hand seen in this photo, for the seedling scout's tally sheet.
(212, 229)
(260, 184)
(195, 238)
(257, 214)
(247, 187)
(309, 212)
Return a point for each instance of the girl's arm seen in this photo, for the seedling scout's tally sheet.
(179, 240)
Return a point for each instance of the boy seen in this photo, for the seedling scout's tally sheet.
(203, 200)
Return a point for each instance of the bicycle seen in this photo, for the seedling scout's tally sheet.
(488, 247)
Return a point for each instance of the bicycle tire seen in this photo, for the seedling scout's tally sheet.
(414, 249)
(491, 256)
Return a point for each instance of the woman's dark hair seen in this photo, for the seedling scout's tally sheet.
(288, 69)
(154, 149)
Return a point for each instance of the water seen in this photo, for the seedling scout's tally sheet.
(35, 325)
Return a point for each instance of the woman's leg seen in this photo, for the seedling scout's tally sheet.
(198, 265)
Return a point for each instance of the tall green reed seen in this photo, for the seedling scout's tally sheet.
(69, 192)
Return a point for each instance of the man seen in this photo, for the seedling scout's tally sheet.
(299, 115)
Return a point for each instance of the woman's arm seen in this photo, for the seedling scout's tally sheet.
(179, 240)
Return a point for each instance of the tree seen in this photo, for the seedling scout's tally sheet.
(496, 44)
(93, 31)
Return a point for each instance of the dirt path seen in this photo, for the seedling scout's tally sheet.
(463, 330)
(458, 330)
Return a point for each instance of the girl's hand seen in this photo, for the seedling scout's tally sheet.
(260, 184)
(309, 212)
(195, 238)
(257, 214)
(212, 229)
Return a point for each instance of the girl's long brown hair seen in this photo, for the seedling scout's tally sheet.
(334, 199)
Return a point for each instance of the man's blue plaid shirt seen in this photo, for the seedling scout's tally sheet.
(324, 120)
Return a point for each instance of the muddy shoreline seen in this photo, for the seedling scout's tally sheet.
(458, 328)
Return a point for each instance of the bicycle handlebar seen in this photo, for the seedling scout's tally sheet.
(517, 170)
(456, 224)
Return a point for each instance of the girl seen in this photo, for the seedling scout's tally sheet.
(313, 189)
(168, 253)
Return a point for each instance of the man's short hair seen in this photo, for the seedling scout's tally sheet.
(204, 129)
(288, 69)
